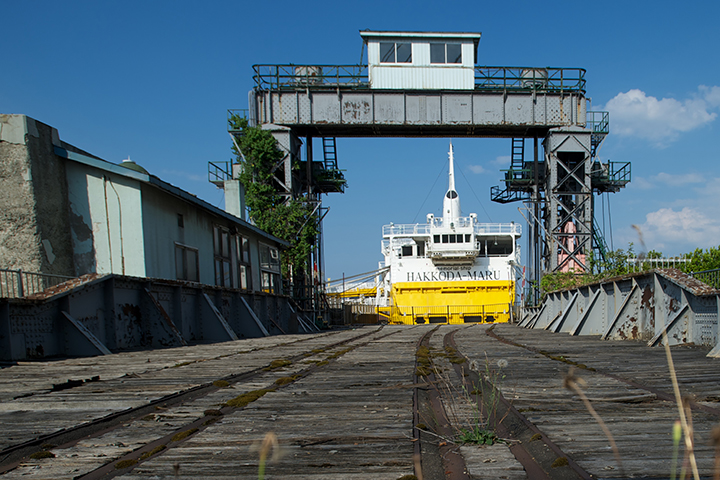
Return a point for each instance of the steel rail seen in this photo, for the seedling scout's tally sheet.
(532, 452)
(453, 462)
(661, 394)
(11, 457)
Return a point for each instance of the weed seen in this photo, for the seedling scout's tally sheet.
(573, 383)
(269, 444)
(560, 462)
(477, 435)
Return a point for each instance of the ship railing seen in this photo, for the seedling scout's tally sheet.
(425, 228)
(499, 312)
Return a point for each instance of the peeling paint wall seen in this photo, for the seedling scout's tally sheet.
(106, 222)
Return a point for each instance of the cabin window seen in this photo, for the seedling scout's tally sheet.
(436, 238)
(444, 239)
(452, 238)
(467, 238)
(186, 263)
(407, 251)
(421, 249)
(395, 52)
(500, 245)
(445, 53)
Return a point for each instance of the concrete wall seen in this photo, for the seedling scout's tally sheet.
(34, 224)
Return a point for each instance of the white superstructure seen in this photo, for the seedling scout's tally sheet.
(449, 261)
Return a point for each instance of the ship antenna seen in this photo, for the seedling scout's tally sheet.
(452, 168)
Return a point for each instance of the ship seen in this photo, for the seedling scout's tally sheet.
(450, 269)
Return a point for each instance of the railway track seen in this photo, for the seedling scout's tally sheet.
(356, 404)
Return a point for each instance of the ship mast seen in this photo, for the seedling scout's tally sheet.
(451, 202)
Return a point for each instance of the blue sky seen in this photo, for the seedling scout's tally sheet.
(153, 80)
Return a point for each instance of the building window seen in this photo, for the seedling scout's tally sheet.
(395, 52)
(242, 246)
(221, 242)
(270, 268)
(186, 263)
(445, 53)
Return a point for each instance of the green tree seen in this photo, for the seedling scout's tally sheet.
(287, 218)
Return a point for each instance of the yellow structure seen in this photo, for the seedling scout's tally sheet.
(452, 302)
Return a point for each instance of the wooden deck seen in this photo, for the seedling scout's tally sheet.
(346, 410)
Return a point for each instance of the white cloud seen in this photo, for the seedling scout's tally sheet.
(689, 225)
(634, 113)
(667, 179)
(477, 168)
(501, 161)
(678, 180)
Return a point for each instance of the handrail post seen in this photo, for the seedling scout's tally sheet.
(21, 293)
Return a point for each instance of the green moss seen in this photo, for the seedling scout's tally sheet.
(221, 383)
(421, 426)
(210, 421)
(148, 418)
(322, 363)
(286, 380)
(536, 437)
(246, 398)
(422, 371)
(212, 412)
(317, 350)
(183, 435)
(47, 446)
(152, 452)
(408, 477)
(42, 454)
(279, 363)
(560, 462)
(125, 463)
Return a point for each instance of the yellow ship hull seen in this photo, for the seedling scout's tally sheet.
(451, 302)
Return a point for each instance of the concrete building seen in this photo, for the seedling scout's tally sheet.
(67, 212)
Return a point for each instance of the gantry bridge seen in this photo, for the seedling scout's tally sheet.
(421, 84)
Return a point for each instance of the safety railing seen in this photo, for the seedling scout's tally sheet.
(640, 264)
(711, 277)
(17, 284)
(293, 77)
(282, 77)
(568, 80)
(598, 122)
(219, 172)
